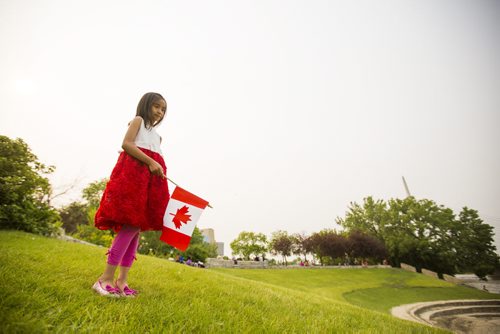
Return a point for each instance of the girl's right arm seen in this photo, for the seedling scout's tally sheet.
(129, 146)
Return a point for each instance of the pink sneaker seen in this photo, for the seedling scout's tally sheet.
(109, 291)
(127, 292)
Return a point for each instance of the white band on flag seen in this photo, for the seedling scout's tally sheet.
(173, 206)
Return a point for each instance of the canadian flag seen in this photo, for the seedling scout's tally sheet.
(183, 211)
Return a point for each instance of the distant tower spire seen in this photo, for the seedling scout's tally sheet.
(406, 188)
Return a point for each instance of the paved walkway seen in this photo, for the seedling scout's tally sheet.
(490, 286)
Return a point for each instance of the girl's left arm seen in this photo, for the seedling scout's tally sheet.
(129, 146)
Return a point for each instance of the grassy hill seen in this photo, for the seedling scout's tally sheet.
(376, 289)
(46, 287)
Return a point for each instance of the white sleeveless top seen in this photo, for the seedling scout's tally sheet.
(148, 139)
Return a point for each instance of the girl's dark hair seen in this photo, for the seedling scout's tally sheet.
(144, 108)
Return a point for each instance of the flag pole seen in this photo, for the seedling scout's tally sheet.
(181, 187)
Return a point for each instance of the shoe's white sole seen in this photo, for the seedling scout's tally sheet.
(98, 288)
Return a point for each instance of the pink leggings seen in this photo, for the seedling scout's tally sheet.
(125, 244)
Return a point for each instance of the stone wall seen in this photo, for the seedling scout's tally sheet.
(451, 279)
(430, 273)
(433, 274)
(296, 266)
(217, 263)
(407, 267)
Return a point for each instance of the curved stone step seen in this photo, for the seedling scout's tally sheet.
(424, 307)
(484, 315)
(462, 310)
(453, 314)
(467, 324)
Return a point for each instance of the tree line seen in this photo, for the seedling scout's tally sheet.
(427, 235)
(417, 232)
(414, 231)
(328, 246)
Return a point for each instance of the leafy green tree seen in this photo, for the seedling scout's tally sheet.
(76, 213)
(24, 190)
(476, 250)
(361, 245)
(316, 242)
(73, 215)
(201, 251)
(281, 243)
(85, 229)
(370, 218)
(248, 243)
(198, 249)
(328, 245)
(301, 244)
(150, 244)
(93, 192)
(90, 233)
(335, 245)
(424, 227)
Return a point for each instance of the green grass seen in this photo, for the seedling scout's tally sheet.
(375, 289)
(46, 287)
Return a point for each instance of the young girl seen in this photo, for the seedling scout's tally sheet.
(136, 195)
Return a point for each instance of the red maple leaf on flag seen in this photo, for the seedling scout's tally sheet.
(181, 216)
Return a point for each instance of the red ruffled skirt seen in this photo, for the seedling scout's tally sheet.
(133, 195)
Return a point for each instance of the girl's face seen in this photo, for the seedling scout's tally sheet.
(158, 110)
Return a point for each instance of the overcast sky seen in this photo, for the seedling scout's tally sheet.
(280, 113)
